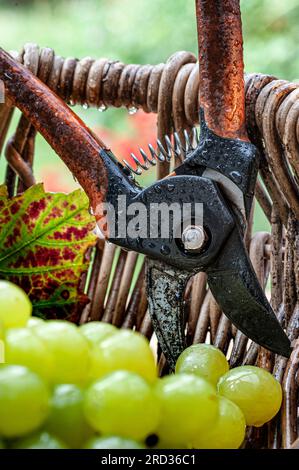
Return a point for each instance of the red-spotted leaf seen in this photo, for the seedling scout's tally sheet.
(44, 239)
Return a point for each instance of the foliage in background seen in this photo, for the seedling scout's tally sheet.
(44, 238)
(149, 31)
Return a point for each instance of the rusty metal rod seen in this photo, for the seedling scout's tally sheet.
(76, 145)
(221, 76)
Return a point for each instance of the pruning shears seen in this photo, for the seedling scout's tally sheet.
(220, 174)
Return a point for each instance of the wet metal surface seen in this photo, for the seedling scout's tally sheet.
(165, 290)
(63, 130)
(221, 80)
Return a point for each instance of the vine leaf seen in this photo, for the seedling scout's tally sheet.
(44, 244)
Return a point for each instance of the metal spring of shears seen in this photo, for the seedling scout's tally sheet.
(163, 153)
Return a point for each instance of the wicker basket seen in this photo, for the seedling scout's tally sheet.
(171, 91)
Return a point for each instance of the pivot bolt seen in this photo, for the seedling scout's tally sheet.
(193, 237)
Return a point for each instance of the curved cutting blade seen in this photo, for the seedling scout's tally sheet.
(236, 289)
(165, 291)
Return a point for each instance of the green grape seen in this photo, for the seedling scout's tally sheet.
(189, 405)
(123, 404)
(2, 331)
(126, 350)
(15, 306)
(66, 419)
(227, 433)
(203, 360)
(69, 348)
(112, 442)
(34, 321)
(24, 348)
(95, 331)
(256, 392)
(39, 440)
(24, 401)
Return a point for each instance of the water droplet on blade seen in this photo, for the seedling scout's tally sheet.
(170, 187)
(165, 250)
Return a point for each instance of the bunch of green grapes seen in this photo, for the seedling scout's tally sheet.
(96, 387)
(247, 395)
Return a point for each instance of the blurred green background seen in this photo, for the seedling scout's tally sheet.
(140, 31)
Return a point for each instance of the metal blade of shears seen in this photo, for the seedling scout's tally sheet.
(239, 294)
(165, 290)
